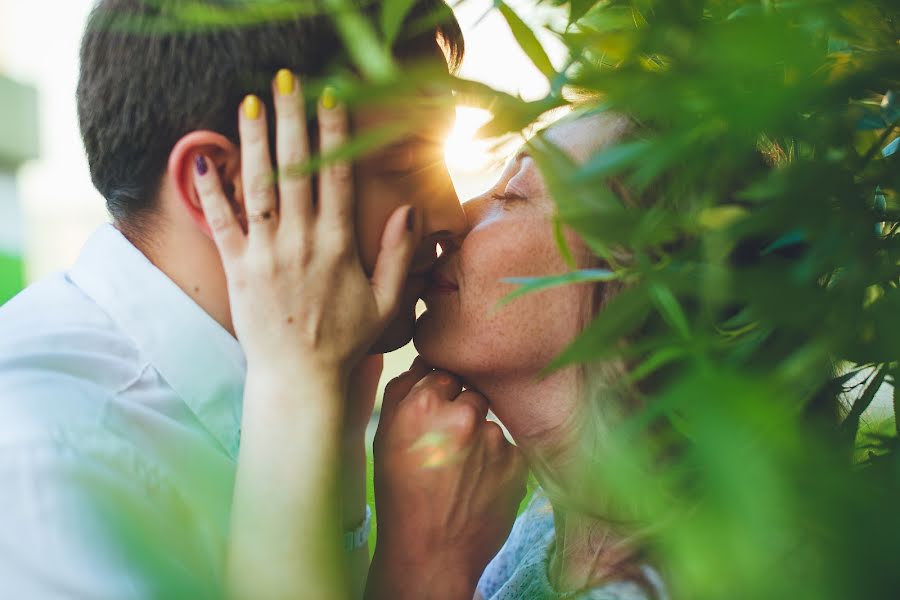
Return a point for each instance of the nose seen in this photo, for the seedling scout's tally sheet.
(444, 218)
(474, 210)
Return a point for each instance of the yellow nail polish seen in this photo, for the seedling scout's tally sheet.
(284, 81)
(251, 107)
(329, 99)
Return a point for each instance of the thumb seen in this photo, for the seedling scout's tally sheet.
(365, 376)
(399, 387)
(398, 245)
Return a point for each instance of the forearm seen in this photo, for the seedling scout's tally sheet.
(286, 521)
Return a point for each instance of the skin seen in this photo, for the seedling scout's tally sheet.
(501, 351)
(438, 523)
(409, 172)
(305, 312)
(306, 309)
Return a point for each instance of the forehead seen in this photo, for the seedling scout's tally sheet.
(412, 113)
(583, 136)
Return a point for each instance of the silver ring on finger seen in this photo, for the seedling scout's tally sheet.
(261, 216)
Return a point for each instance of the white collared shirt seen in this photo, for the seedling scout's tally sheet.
(120, 403)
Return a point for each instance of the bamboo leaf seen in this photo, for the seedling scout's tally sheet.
(534, 284)
(563, 244)
(619, 317)
(851, 423)
(393, 12)
(527, 41)
(670, 309)
(361, 40)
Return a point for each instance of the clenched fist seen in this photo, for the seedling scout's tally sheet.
(447, 488)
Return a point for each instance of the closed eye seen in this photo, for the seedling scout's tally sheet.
(509, 197)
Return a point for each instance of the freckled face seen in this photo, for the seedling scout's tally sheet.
(510, 235)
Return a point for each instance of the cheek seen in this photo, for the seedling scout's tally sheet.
(524, 335)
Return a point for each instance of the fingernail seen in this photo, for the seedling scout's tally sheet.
(411, 218)
(329, 98)
(284, 81)
(251, 107)
(200, 165)
(443, 379)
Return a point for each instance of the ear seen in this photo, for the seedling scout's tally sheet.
(221, 154)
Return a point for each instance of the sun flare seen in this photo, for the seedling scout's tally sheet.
(462, 150)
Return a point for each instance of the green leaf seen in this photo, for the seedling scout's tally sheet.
(526, 39)
(851, 423)
(534, 284)
(656, 361)
(361, 40)
(609, 162)
(670, 309)
(393, 12)
(563, 244)
(619, 317)
(896, 401)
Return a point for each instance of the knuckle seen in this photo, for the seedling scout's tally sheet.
(393, 388)
(261, 188)
(218, 222)
(493, 435)
(341, 173)
(333, 124)
(425, 400)
(465, 418)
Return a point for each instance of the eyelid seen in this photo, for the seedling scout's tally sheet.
(508, 196)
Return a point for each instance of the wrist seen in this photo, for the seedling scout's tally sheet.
(296, 367)
(353, 483)
(401, 575)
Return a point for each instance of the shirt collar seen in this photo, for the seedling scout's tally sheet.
(196, 356)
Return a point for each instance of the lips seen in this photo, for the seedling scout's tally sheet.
(438, 284)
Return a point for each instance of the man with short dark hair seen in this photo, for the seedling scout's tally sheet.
(122, 378)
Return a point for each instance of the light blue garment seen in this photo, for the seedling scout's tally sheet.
(120, 405)
(519, 571)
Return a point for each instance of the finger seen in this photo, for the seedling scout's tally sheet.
(419, 369)
(400, 386)
(476, 401)
(438, 384)
(223, 224)
(295, 205)
(398, 247)
(336, 178)
(256, 167)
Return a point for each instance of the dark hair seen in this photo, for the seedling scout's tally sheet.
(148, 78)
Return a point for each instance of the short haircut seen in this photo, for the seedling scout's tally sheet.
(143, 86)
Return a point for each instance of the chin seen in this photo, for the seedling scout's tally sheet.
(427, 339)
(399, 332)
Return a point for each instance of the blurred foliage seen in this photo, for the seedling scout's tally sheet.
(12, 276)
(760, 310)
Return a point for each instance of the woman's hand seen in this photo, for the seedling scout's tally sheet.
(305, 313)
(299, 295)
(447, 486)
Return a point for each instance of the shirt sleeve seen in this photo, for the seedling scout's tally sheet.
(530, 527)
(93, 521)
